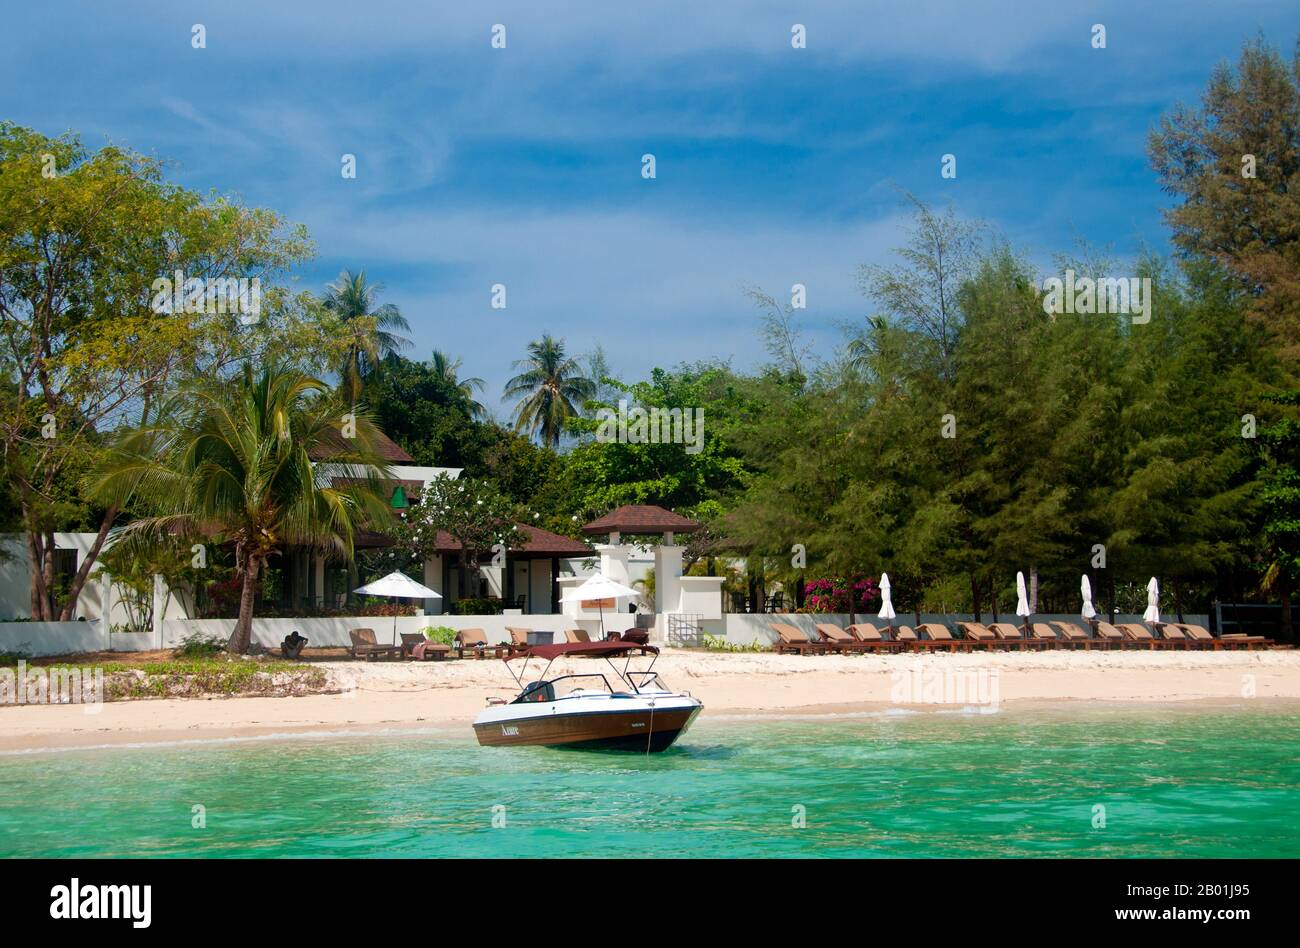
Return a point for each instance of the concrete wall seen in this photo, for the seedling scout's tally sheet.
(40, 639)
(742, 628)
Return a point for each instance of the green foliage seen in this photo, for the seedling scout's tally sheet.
(440, 634)
(198, 645)
(551, 390)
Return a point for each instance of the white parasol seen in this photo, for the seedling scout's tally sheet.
(397, 586)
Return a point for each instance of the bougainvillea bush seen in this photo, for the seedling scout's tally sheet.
(840, 595)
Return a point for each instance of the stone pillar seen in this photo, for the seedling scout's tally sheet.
(318, 586)
(433, 579)
(668, 574)
(159, 606)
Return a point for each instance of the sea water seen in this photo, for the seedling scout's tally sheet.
(1106, 782)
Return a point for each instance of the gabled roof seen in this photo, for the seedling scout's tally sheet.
(537, 542)
(332, 444)
(641, 518)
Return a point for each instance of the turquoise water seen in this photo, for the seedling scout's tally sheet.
(1173, 783)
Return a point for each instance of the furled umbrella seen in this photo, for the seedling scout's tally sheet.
(1085, 587)
(1152, 615)
(397, 586)
(1022, 600)
(886, 605)
(598, 588)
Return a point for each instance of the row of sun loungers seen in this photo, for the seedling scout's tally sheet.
(865, 637)
(469, 643)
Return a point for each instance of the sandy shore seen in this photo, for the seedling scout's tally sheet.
(450, 694)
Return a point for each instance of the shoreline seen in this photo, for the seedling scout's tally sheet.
(391, 697)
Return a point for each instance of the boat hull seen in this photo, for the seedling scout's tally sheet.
(634, 729)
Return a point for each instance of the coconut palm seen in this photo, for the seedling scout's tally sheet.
(368, 328)
(448, 370)
(547, 390)
(231, 460)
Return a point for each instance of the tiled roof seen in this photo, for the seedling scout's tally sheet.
(641, 518)
(332, 444)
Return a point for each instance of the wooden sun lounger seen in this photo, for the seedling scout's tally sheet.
(576, 635)
(518, 638)
(868, 634)
(1202, 635)
(977, 633)
(475, 640)
(1011, 632)
(846, 642)
(1044, 635)
(794, 640)
(365, 646)
(1114, 637)
(1072, 634)
(1135, 632)
(940, 637)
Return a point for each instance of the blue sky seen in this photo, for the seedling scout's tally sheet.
(522, 166)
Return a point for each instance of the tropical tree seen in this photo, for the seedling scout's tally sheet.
(448, 370)
(547, 390)
(471, 511)
(89, 341)
(231, 461)
(1233, 162)
(369, 330)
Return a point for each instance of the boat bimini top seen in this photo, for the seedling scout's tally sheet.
(606, 650)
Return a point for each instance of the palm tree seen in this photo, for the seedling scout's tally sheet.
(232, 459)
(547, 389)
(448, 370)
(368, 328)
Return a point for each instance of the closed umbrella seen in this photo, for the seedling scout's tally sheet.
(1022, 600)
(599, 588)
(886, 606)
(397, 586)
(1085, 587)
(1152, 615)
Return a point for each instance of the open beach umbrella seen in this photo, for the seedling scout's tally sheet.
(1085, 587)
(1022, 599)
(397, 586)
(1152, 615)
(600, 588)
(886, 606)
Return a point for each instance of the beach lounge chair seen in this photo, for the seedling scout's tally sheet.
(846, 642)
(939, 637)
(1072, 634)
(576, 635)
(1114, 637)
(1201, 635)
(518, 638)
(475, 640)
(794, 640)
(1012, 634)
(418, 648)
(1136, 632)
(637, 636)
(977, 633)
(365, 646)
(869, 635)
(1041, 633)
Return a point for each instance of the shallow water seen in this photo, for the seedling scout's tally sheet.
(1171, 782)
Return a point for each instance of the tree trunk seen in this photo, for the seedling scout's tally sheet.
(1033, 589)
(36, 584)
(83, 572)
(243, 634)
(976, 605)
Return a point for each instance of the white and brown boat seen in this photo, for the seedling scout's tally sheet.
(584, 711)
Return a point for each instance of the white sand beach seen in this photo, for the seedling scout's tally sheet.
(450, 694)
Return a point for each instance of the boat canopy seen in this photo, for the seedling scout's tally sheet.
(606, 649)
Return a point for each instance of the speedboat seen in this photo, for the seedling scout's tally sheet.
(639, 713)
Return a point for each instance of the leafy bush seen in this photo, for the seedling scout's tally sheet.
(198, 645)
(440, 634)
(484, 606)
(717, 643)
